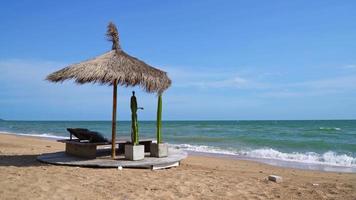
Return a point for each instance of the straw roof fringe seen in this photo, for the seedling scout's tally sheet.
(115, 65)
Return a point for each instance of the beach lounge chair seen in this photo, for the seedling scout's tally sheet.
(86, 144)
(85, 134)
(87, 141)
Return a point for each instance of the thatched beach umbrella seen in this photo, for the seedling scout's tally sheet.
(115, 68)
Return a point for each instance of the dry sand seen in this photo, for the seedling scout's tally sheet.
(199, 177)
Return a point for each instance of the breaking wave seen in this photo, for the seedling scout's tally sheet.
(327, 158)
(44, 135)
(330, 128)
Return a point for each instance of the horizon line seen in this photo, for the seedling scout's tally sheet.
(80, 120)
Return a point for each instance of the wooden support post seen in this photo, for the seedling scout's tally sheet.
(113, 133)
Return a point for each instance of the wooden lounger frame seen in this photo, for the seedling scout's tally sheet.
(86, 149)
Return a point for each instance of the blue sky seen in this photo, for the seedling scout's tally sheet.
(228, 59)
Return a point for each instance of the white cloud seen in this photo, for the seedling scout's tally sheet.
(264, 84)
(310, 88)
(336, 83)
(23, 70)
(22, 83)
(207, 78)
(235, 82)
(350, 66)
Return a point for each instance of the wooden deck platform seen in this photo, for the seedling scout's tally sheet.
(103, 160)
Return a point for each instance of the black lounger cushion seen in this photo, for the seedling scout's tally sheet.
(97, 137)
(85, 134)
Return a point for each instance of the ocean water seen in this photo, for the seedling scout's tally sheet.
(326, 143)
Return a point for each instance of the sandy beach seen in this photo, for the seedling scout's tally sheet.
(199, 177)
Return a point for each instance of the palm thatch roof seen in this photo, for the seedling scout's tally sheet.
(115, 65)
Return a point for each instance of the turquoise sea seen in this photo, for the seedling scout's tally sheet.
(322, 143)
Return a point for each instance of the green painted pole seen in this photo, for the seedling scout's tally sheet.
(159, 119)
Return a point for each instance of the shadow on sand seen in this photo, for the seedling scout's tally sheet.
(20, 161)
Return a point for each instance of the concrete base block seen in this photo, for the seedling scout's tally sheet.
(159, 150)
(134, 152)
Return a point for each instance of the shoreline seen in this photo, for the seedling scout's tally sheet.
(289, 164)
(198, 177)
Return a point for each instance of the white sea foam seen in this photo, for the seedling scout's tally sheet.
(203, 149)
(330, 128)
(44, 135)
(327, 158)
